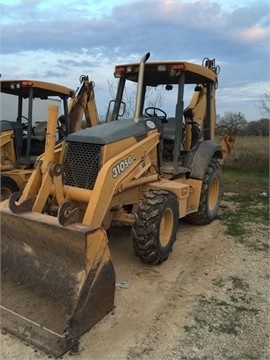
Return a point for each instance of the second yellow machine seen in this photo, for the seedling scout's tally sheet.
(22, 137)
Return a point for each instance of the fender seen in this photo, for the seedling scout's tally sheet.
(206, 151)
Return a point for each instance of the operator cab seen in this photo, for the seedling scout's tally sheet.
(30, 98)
(178, 94)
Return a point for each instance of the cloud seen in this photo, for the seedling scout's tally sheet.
(46, 39)
(130, 25)
(254, 33)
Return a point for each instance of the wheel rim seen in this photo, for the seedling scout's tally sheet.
(5, 193)
(213, 193)
(166, 226)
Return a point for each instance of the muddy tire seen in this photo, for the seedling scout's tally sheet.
(155, 227)
(210, 197)
(8, 187)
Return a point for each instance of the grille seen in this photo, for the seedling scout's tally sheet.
(81, 164)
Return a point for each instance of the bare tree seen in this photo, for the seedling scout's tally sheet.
(264, 105)
(232, 121)
(153, 97)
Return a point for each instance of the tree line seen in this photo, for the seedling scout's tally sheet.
(232, 121)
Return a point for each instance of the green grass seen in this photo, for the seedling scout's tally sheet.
(222, 316)
(244, 182)
(249, 192)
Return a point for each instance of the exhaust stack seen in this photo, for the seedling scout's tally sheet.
(140, 87)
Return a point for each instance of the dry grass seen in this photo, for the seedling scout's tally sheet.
(250, 153)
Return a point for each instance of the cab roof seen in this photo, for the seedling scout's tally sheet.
(167, 72)
(41, 89)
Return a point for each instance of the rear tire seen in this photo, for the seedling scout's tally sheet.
(8, 187)
(210, 197)
(155, 227)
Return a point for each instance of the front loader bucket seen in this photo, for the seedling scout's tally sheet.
(56, 282)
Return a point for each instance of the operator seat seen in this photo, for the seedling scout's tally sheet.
(40, 131)
(169, 129)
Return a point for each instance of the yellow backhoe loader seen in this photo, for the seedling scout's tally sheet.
(23, 140)
(57, 276)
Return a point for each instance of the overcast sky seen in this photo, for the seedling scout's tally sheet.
(57, 41)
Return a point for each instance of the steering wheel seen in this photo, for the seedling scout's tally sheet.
(24, 124)
(154, 112)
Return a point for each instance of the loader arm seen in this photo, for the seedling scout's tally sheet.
(44, 175)
(110, 178)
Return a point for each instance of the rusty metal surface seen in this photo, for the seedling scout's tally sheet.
(50, 294)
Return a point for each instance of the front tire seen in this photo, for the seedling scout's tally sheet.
(8, 187)
(210, 196)
(155, 227)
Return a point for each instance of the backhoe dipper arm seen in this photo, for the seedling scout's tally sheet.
(227, 143)
(83, 103)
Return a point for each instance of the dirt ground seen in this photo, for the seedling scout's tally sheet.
(208, 301)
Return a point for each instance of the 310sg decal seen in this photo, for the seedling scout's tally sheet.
(121, 166)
